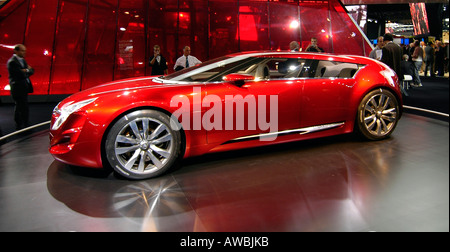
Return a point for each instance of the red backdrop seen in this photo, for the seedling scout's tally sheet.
(77, 44)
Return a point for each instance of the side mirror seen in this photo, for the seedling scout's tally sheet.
(238, 79)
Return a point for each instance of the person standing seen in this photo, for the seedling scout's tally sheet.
(417, 58)
(423, 45)
(19, 81)
(377, 51)
(186, 60)
(158, 62)
(429, 59)
(440, 56)
(392, 55)
(446, 58)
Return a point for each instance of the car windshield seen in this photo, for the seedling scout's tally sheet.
(185, 72)
(210, 71)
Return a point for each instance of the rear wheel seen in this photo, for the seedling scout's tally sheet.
(378, 114)
(142, 144)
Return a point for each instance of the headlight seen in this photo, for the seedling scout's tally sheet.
(67, 109)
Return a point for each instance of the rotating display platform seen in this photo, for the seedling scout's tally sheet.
(331, 184)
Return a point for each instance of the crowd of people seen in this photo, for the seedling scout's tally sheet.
(415, 59)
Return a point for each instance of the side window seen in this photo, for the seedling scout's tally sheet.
(309, 70)
(263, 69)
(333, 69)
(278, 68)
(285, 68)
(250, 66)
(213, 73)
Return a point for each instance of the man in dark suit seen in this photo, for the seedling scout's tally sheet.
(19, 72)
(392, 55)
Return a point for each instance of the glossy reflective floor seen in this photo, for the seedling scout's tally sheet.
(332, 184)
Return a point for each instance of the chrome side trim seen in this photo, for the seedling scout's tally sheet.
(301, 131)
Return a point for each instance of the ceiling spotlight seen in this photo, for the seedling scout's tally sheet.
(294, 24)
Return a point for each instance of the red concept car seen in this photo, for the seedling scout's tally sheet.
(142, 127)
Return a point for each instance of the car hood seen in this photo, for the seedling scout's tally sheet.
(122, 85)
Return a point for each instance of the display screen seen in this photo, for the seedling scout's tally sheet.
(359, 14)
(399, 29)
(419, 18)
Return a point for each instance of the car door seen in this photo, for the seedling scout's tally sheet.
(268, 104)
(326, 91)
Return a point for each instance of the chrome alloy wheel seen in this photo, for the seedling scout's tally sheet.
(143, 145)
(380, 115)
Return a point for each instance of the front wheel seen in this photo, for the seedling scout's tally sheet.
(378, 115)
(142, 144)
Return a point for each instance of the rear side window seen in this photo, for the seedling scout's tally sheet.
(286, 68)
(334, 69)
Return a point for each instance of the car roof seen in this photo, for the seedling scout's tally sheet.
(308, 55)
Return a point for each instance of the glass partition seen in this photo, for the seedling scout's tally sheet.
(345, 30)
(192, 31)
(13, 17)
(223, 31)
(253, 25)
(130, 43)
(315, 23)
(162, 30)
(39, 37)
(100, 46)
(284, 25)
(77, 44)
(68, 47)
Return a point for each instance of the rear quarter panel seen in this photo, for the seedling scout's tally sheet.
(367, 79)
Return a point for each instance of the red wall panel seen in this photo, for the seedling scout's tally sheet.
(193, 29)
(162, 29)
(13, 17)
(130, 44)
(98, 64)
(315, 22)
(68, 48)
(253, 26)
(284, 21)
(77, 44)
(223, 31)
(39, 38)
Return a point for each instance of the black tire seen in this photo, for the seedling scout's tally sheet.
(142, 144)
(378, 115)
